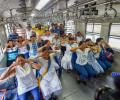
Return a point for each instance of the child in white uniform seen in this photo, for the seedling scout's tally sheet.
(66, 60)
(50, 82)
(27, 82)
(33, 52)
(82, 67)
(22, 47)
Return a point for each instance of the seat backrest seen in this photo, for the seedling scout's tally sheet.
(104, 93)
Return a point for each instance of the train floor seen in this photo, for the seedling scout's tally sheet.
(74, 91)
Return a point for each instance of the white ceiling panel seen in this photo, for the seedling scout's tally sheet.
(6, 5)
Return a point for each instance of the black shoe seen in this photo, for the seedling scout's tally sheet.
(84, 82)
(53, 98)
(68, 71)
(96, 76)
(78, 81)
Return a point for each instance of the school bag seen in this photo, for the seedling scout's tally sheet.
(106, 93)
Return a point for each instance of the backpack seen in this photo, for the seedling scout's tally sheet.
(105, 93)
(109, 55)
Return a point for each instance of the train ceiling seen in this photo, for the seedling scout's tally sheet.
(13, 10)
(79, 9)
(16, 9)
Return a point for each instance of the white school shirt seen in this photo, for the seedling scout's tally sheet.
(53, 62)
(33, 53)
(97, 54)
(68, 48)
(22, 50)
(56, 42)
(66, 60)
(26, 79)
(43, 63)
(80, 38)
(28, 33)
(82, 56)
(50, 83)
(50, 38)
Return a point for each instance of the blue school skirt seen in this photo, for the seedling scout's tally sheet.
(73, 60)
(104, 60)
(26, 55)
(102, 64)
(85, 71)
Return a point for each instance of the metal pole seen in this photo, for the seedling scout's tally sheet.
(93, 27)
(11, 20)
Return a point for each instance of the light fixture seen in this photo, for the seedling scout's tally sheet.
(32, 14)
(41, 4)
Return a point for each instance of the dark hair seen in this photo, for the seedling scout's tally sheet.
(81, 42)
(87, 40)
(69, 33)
(53, 24)
(78, 32)
(71, 38)
(98, 40)
(9, 40)
(20, 37)
(33, 35)
(45, 42)
(45, 49)
(21, 55)
(36, 26)
(28, 27)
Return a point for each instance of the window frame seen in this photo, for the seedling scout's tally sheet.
(93, 28)
(93, 34)
(111, 29)
(117, 37)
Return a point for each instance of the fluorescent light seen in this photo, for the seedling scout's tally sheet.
(32, 14)
(41, 4)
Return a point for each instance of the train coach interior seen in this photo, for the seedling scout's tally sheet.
(93, 19)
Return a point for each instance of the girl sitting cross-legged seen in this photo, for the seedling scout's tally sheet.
(106, 54)
(91, 57)
(84, 70)
(66, 59)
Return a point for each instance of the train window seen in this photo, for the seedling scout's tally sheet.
(90, 27)
(93, 31)
(114, 38)
(70, 27)
(94, 27)
(97, 28)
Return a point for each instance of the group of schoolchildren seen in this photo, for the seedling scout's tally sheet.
(35, 63)
(47, 54)
(86, 58)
